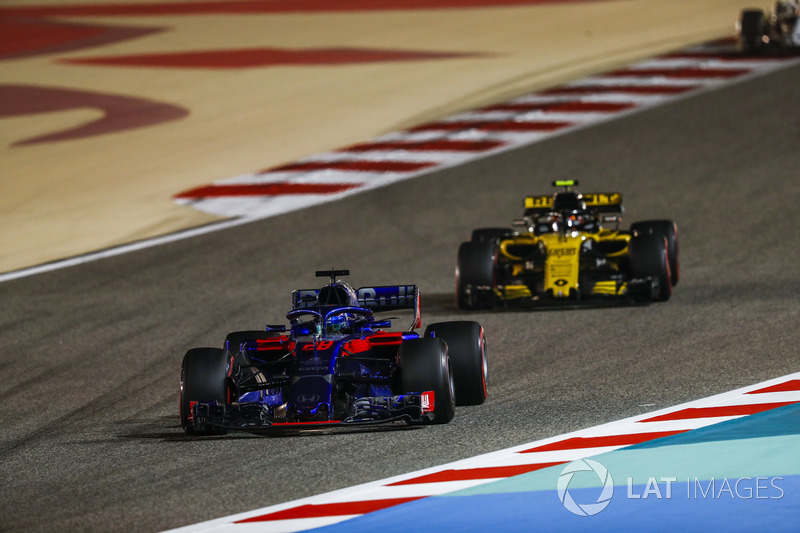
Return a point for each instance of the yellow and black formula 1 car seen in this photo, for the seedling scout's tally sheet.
(563, 253)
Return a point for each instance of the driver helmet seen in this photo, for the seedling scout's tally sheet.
(339, 323)
(574, 220)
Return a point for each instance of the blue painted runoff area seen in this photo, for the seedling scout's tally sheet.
(739, 475)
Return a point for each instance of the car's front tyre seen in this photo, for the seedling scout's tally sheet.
(751, 31)
(669, 230)
(649, 259)
(204, 374)
(423, 365)
(475, 275)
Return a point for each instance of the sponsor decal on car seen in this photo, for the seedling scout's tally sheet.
(427, 401)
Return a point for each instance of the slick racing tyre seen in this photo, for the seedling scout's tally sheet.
(669, 230)
(475, 275)
(649, 259)
(489, 234)
(204, 376)
(425, 366)
(467, 349)
(751, 31)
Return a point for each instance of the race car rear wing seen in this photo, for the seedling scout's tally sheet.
(382, 298)
(602, 202)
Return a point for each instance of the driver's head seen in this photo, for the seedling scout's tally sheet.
(574, 221)
(571, 209)
(339, 323)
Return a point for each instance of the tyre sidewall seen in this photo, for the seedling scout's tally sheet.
(751, 23)
(204, 374)
(648, 255)
(467, 349)
(669, 230)
(475, 267)
(424, 365)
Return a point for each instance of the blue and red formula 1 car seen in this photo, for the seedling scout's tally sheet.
(336, 363)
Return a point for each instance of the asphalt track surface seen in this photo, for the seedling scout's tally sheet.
(91, 354)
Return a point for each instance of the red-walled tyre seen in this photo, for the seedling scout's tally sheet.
(649, 259)
(669, 230)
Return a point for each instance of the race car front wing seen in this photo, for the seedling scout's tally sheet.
(601, 293)
(251, 416)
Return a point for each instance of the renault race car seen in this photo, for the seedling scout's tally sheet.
(775, 31)
(336, 363)
(565, 254)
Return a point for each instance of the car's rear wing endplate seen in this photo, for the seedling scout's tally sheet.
(602, 202)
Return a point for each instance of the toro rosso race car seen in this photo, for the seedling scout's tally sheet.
(336, 363)
(776, 31)
(565, 254)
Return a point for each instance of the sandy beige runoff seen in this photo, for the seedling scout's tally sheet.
(67, 198)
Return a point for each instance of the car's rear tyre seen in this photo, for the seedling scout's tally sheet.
(204, 374)
(423, 365)
(649, 259)
(475, 275)
(466, 346)
(751, 31)
(489, 234)
(669, 230)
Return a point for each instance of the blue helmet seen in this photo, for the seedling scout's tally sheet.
(339, 323)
